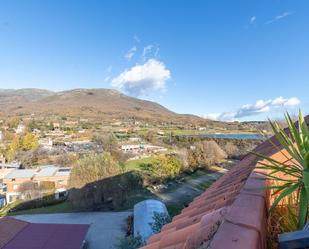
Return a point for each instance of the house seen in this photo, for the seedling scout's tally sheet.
(135, 139)
(231, 213)
(57, 176)
(6, 168)
(46, 143)
(2, 200)
(18, 234)
(21, 128)
(36, 131)
(141, 148)
(2, 159)
(56, 125)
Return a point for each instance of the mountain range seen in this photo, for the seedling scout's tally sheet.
(92, 103)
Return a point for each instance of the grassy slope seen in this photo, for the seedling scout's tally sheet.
(135, 164)
(63, 207)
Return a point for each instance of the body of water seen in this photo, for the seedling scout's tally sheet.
(228, 136)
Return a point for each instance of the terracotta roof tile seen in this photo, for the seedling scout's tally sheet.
(231, 236)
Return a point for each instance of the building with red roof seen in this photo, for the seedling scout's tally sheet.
(17, 234)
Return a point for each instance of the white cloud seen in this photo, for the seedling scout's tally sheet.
(260, 106)
(142, 79)
(252, 19)
(150, 50)
(147, 50)
(280, 101)
(107, 78)
(136, 38)
(277, 18)
(130, 53)
(224, 116)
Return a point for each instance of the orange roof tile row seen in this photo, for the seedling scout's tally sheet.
(231, 213)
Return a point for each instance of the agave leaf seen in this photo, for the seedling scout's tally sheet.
(271, 176)
(280, 188)
(287, 191)
(280, 166)
(286, 142)
(294, 132)
(304, 130)
(303, 208)
(307, 160)
(267, 158)
(275, 169)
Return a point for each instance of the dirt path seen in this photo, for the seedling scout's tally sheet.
(184, 192)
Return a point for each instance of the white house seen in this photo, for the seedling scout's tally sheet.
(21, 128)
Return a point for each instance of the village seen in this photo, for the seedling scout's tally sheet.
(17, 181)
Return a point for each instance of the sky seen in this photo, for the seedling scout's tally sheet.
(220, 59)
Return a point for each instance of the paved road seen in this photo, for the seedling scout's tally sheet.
(105, 229)
(188, 190)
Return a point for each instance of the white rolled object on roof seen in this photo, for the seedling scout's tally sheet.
(143, 217)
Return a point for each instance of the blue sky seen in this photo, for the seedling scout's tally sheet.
(224, 59)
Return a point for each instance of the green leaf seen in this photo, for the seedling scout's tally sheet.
(287, 191)
(303, 208)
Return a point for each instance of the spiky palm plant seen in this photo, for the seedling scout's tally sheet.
(296, 167)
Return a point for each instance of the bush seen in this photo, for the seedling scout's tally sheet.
(164, 167)
(38, 203)
(130, 242)
(160, 219)
(205, 154)
(109, 193)
(92, 168)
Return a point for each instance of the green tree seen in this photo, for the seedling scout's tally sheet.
(29, 142)
(205, 154)
(166, 166)
(93, 168)
(21, 143)
(12, 149)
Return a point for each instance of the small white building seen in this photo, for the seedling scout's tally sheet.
(46, 143)
(21, 128)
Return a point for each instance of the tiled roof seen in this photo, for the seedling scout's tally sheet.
(231, 214)
(16, 234)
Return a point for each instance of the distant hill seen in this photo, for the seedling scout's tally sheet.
(11, 99)
(102, 103)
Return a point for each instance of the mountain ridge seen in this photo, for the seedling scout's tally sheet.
(92, 102)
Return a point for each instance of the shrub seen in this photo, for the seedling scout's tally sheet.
(160, 219)
(108, 193)
(205, 154)
(38, 203)
(165, 167)
(92, 168)
(130, 242)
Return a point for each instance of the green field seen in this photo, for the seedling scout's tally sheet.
(135, 164)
